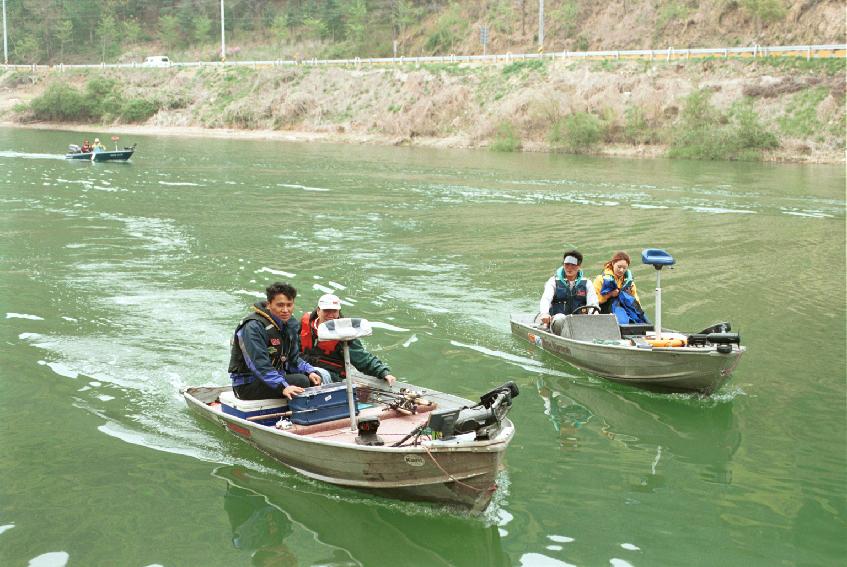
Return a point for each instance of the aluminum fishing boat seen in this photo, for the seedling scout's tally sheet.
(642, 355)
(75, 152)
(398, 441)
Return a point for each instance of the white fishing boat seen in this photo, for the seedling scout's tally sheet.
(399, 441)
(642, 355)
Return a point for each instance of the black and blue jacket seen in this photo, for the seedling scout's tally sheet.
(266, 348)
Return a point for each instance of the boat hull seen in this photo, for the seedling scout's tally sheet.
(672, 369)
(457, 473)
(120, 155)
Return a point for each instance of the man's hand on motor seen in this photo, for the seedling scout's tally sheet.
(315, 378)
(390, 379)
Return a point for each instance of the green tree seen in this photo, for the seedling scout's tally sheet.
(131, 30)
(334, 20)
(315, 27)
(357, 20)
(279, 28)
(567, 16)
(60, 102)
(107, 33)
(64, 34)
(405, 14)
(202, 27)
(169, 31)
(26, 49)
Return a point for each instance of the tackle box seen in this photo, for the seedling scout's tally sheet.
(250, 408)
(320, 404)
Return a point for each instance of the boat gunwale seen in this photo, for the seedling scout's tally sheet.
(495, 445)
(737, 350)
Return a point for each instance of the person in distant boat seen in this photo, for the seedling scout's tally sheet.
(328, 356)
(265, 355)
(565, 292)
(86, 147)
(616, 290)
(97, 147)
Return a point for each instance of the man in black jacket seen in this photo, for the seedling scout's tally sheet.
(265, 356)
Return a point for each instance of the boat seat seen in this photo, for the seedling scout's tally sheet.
(636, 329)
(228, 398)
(590, 327)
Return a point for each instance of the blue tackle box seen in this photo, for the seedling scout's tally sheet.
(321, 403)
(250, 408)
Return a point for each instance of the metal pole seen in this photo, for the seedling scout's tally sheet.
(351, 401)
(540, 25)
(5, 40)
(658, 326)
(223, 37)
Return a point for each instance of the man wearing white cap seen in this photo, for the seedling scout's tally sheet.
(329, 355)
(566, 291)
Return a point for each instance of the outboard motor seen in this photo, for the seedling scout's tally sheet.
(74, 149)
(724, 340)
(484, 418)
(724, 327)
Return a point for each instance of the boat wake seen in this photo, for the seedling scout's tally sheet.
(27, 155)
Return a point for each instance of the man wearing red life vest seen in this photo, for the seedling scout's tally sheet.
(329, 355)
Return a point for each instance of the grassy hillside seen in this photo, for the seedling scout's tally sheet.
(779, 109)
(54, 31)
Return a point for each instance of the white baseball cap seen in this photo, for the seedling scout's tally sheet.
(329, 301)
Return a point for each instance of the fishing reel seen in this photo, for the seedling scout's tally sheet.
(406, 401)
(484, 418)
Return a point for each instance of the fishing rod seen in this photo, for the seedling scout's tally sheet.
(279, 414)
(405, 401)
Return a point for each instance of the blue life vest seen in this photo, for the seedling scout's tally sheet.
(568, 298)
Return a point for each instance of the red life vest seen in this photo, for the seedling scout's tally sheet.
(325, 354)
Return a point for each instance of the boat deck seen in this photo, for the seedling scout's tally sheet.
(393, 425)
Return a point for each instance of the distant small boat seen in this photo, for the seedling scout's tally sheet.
(75, 152)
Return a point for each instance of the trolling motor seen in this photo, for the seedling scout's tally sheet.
(658, 259)
(484, 418)
(346, 330)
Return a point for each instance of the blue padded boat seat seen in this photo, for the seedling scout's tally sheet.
(590, 327)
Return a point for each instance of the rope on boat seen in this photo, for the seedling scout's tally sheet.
(491, 488)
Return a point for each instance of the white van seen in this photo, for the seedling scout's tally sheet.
(157, 61)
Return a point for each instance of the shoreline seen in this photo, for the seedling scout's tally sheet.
(456, 142)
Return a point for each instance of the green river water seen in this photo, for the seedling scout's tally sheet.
(121, 284)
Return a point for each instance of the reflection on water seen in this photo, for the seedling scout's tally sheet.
(692, 430)
(270, 519)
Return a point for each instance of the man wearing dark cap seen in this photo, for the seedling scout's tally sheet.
(566, 290)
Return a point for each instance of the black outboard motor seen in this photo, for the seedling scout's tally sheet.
(718, 334)
(724, 327)
(484, 418)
